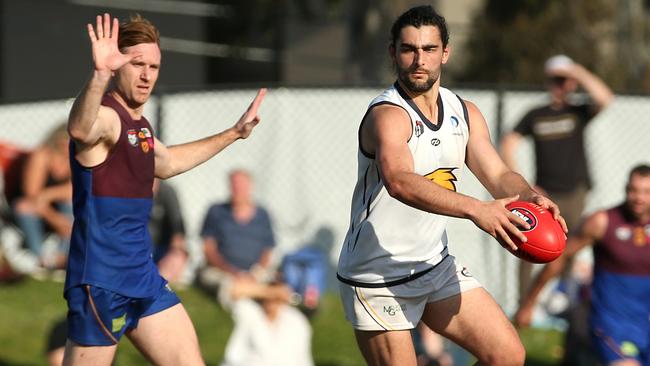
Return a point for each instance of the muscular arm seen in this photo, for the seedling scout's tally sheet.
(592, 230)
(174, 160)
(484, 161)
(94, 128)
(385, 133)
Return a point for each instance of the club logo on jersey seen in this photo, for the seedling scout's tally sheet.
(132, 136)
(623, 233)
(419, 128)
(525, 215)
(454, 121)
(145, 146)
(443, 177)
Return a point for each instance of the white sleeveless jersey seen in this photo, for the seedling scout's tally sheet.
(389, 241)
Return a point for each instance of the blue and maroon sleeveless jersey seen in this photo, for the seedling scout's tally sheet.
(621, 284)
(110, 245)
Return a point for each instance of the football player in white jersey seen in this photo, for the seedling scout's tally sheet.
(394, 269)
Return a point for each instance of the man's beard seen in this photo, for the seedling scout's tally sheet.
(416, 86)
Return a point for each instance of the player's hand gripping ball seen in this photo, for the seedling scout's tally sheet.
(546, 239)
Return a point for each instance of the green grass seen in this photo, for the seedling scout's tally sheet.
(29, 308)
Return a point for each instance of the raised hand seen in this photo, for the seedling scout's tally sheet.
(250, 119)
(106, 54)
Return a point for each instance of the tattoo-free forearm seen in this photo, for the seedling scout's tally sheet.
(416, 191)
(85, 109)
(183, 157)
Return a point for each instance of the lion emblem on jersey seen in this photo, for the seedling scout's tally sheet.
(443, 177)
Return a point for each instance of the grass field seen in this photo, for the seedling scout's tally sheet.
(29, 308)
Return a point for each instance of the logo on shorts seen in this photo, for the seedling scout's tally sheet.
(394, 309)
(465, 272)
(629, 349)
(118, 323)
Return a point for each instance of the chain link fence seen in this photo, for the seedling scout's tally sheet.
(303, 160)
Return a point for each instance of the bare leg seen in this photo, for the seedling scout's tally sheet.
(475, 321)
(76, 354)
(626, 362)
(384, 348)
(167, 338)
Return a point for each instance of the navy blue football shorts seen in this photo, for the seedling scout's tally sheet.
(622, 340)
(99, 317)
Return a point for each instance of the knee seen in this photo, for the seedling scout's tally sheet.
(511, 355)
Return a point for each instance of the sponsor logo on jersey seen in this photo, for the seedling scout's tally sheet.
(419, 128)
(118, 323)
(465, 272)
(435, 141)
(640, 238)
(525, 215)
(394, 309)
(132, 137)
(146, 132)
(443, 177)
(145, 146)
(454, 121)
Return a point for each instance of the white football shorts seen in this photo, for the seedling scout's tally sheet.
(401, 306)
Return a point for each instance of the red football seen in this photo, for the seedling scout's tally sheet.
(546, 239)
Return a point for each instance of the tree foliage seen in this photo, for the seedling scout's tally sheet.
(511, 39)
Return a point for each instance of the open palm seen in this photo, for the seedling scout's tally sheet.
(106, 54)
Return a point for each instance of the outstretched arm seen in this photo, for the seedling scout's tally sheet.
(88, 124)
(174, 160)
(592, 230)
